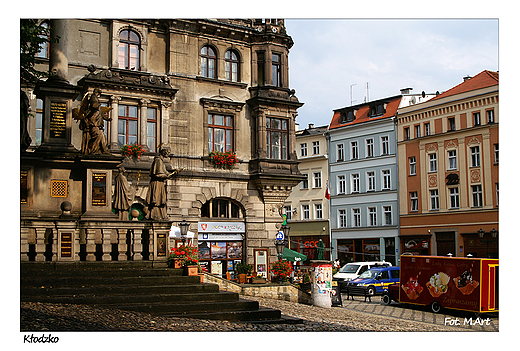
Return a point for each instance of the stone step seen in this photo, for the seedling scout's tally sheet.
(80, 281)
(261, 315)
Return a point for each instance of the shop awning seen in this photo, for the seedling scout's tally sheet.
(293, 256)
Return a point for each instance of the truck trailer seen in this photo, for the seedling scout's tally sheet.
(468, 284)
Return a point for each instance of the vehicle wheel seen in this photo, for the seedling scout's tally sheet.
(386, 299)
(371, 291)
(436, 307)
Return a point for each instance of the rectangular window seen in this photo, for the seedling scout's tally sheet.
(475, 156)
(305, 212)
(356, 216)
(39, 121)
(303, 150)
(127, 125)
(490, 115)
(151, 129)
(476, 118)
(434, 199)
(454, 197)
(496, 152)
(355, 183)
(370, 147)
(386, 179)
(315, 147)
(354, 150)
(414, 202)
(451, 123)
(318, 211)
(220, 133)
(340, 152)
(372, 216)
(406, 133)
(342, 218)
(385, 146)
(426, 129)
(342, 184)
(476, 190)
(276, 70)
(433, 162)
(288, 212)
(418, 131)
(387, 210)
(496, 189)
(371, 181)
(305, 183)
(317, 179)
(452, 159)
(260, 63)
(412, 163)
(277, 138)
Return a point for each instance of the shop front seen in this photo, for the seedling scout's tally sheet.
(220, 246)
(416, 245)
(305, 238)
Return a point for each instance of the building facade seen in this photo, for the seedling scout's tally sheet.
(196, 86)
(307, 208)
(448, 171)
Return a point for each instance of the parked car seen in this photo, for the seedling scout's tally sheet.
(374, 281)
(353, 270)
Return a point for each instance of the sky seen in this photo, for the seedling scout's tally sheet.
(332, 60)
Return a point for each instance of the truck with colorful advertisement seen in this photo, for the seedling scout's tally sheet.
(468, 284)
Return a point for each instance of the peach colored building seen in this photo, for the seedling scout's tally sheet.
(448, 171)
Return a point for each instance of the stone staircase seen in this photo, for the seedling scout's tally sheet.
(138, 286)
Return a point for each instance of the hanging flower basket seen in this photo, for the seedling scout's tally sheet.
(226, 159)
(133, 151)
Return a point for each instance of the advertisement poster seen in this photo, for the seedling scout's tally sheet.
(218, 250)
(216, 268)
(322, 278)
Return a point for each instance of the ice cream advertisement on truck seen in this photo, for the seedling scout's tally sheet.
(469, 284)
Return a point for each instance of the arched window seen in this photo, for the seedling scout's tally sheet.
(208, 61)
(232, 66)
(129, 48)
(221, 208)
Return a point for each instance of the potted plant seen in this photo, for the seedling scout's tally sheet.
(243, 270)
(179, 255)
(223, 159)
(282, 269)
(191, 266)
(258, 280)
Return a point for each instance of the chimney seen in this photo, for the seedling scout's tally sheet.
(311, 125)
(466, 78)
(406, 91)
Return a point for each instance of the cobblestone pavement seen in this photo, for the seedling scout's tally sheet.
(467, 321)
(354, 316)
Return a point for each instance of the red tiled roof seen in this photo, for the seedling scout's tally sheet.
(482, 80)
(362, 112)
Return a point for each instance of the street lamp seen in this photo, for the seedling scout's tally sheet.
(280, 243)
(493, 233)
(184, 226)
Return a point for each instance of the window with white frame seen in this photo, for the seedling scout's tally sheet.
(372, 216)
(454, 197)
(426, 129)
(475, 156)
(355, 183)
(490, 115)
(452, 159)
(288, 212)
(318, 211)
(303, 149)
(354, 150)
(412, 162)
(305, 212)
(356, 217)
(39, 121)
(406, 133)
(342, 184)
(151, 129)
(371, 181)
(386, 179)
(342, 218)
(317, 179)
(451, 123)
(476, 191)
(370, 147)
(495, 146)
(417, 131)
(387, 212)
(340, 152)
(315, 147)
(414, 202)
(305, 183)
(433, 162)
(496, 190)
(434, 199)
(476, 118)
(385, 145)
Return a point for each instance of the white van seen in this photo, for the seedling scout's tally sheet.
(354, 269)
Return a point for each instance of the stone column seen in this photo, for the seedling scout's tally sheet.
(143, 123)
(58, 58)
(114, 113)
(137, 246)
(121, 245)
(107, 246)
(261, 144)
(91, 244)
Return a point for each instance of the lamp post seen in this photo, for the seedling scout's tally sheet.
(282, 242)
(184, 226)
(493, 233)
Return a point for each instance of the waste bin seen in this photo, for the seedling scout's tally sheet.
(321, 283)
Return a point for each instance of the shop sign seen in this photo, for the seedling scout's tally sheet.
(222, 227)
(311, 244)
(220, 237)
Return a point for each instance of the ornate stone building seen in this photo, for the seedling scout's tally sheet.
(195, 86)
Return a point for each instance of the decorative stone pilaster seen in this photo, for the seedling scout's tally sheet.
(107, 246)
(91, 244)
(40, 245)
(121, 246)
(136, 243)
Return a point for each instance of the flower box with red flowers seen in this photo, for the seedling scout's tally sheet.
(226, 159)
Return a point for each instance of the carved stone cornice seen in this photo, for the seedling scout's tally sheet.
(222, 104)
